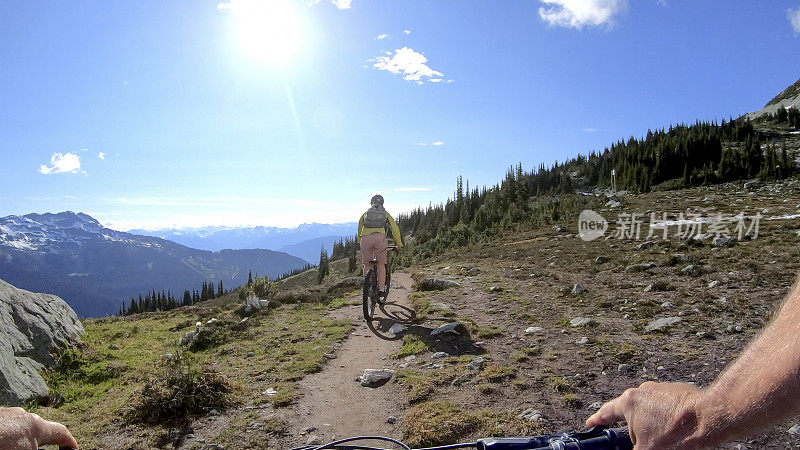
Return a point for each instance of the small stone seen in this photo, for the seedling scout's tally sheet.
(473, 271)
(713, 284)
(391, 420)
(314, 440)
(582, 340)
(623, 369)
(578, 289)
(532, 330)
(596, 405)
(581, 321)
(531, 414)
(250, 354)
(601, 260)
(375, 377)
(644, 245)
(440, 355)
(689, 270)
(705, 334)
(454, 328)
(794, 430)
(476, 363)
(269, 392)
(329, 356)
(214, 447)
(666, 305)
(659, 324)
(168, 356)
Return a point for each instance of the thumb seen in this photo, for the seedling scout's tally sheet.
(608, 413)
(52, 433)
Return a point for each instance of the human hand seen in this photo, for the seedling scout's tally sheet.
(20, 430)
(659, 415)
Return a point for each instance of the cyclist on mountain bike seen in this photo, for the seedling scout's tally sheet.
(372, 237)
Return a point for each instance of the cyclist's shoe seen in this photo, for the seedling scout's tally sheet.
(382, 296)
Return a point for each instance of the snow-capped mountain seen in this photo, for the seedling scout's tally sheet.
(95, 268)
(302, 241)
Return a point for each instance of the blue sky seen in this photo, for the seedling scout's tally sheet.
(195, 113)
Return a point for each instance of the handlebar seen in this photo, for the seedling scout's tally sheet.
(597, 438)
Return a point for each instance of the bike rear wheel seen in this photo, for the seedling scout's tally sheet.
(370, 294)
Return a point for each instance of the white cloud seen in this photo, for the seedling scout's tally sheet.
(407, 31)
(101, 155)
(223, 5)
(438, 143)
(62, 163)
(381, 37)
(662, 2)
(412, 189)
(794, 19)
(590, 130)
(408, 63)
(580, 13)
(342, 4)
(422, 144)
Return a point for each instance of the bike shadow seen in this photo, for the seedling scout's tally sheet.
(400, 321)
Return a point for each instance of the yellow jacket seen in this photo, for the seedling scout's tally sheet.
(362, 231)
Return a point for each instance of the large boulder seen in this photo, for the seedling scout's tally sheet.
(33, 327)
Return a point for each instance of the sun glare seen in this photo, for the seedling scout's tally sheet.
(269, 30)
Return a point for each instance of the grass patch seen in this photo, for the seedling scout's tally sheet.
(494, 373)
(443, 423)
(412, 345)
(528, 352)
(180, 391)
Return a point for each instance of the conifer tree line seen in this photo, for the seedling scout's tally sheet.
(681, 156)
(164, 301)
(293, 272)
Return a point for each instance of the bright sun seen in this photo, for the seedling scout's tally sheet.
(269, 30)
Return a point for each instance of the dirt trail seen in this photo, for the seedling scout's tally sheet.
(333, 405)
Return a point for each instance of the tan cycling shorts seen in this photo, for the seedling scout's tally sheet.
(374, 245)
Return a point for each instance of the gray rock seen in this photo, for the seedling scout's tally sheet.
(34, 327)
(705, 334)
(601, 260)
(534, 330)
(658, 286)
(582, 340)
(751, 185)
(476, 363)
(661, 323)
(531, 414)
(680, 257)
(578, 289)
(713, 284)
(440, 355)
(253, 304)
(581, 321)
(375, 377)
(473, 271)
(329, 356)
(734, 328)
(689, 270)
(452, 329)
(596, 405)
(794, 430)
(313, 440)
(397, 329)
(435, 284)
(666, 305)
(642, 267)
(391, 420)
(623, 369)
(723, 241)
(644, 245)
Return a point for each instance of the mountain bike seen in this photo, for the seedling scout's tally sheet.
(597, 438)
(372, 295)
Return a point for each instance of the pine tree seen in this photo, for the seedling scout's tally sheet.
(250, 278)
(322, 268)
(220, 291)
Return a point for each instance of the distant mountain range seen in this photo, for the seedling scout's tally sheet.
(303, 241)
(95, 268)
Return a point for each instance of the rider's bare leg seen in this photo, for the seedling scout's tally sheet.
(381, 276)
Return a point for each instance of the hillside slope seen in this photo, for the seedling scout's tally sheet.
(556, 326)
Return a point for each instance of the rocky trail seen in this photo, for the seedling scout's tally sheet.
(333, 404)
